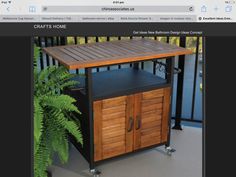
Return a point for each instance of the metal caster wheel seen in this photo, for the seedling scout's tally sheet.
(169, 150)
(95, 172)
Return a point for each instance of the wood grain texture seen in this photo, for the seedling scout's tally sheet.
(166, 114)
(108, 103)
(110, 116)
(137, 116)
(151, 115)
(112, 152)
(97, 109)
(113, 133)
(129, 115)
(114, 52)
(153, 94)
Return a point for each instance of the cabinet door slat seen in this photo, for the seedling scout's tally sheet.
(153, 111)
(127, 123)
(110, 127)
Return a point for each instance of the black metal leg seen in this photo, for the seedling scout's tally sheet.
(89, 94)
(170, 63)
(180, 84)
(88, 87)
(179, 96)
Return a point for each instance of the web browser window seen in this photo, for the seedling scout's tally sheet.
(117, 11)
(112, 88)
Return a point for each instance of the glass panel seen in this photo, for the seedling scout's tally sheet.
(188, 86)
(174, 90)
(198, 94)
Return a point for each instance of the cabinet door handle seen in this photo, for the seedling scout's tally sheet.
(131, 123)
(138, 122)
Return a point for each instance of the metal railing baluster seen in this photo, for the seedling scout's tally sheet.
(195, 78)
(47, 57)
(41, 54)
(97, 40)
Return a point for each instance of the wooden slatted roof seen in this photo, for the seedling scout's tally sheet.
(115, 52)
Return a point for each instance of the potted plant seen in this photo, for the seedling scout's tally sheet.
(53, 116)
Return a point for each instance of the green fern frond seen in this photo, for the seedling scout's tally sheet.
(41, 159)
(62, 102)
(38, 120)
(70, 126)
(73, 129)
(52, 80)
(61, 146)
(36, 56)
(53, 116)
(68, 84)
(45, 73)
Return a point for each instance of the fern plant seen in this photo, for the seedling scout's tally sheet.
(53, 116)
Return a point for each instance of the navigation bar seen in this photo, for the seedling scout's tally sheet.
(117, 9)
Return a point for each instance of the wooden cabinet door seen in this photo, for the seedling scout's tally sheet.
(151, 112)
(113, 127)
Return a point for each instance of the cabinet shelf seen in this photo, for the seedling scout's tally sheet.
(120, 82)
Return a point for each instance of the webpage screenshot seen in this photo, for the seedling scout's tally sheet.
(112, 88)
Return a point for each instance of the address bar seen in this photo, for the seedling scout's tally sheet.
(116, 9)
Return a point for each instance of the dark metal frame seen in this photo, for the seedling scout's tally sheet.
(89, 96)
(180, 83)
(170, 77)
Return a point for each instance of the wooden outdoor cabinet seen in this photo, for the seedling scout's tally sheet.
(124, 110)
(127, 123)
